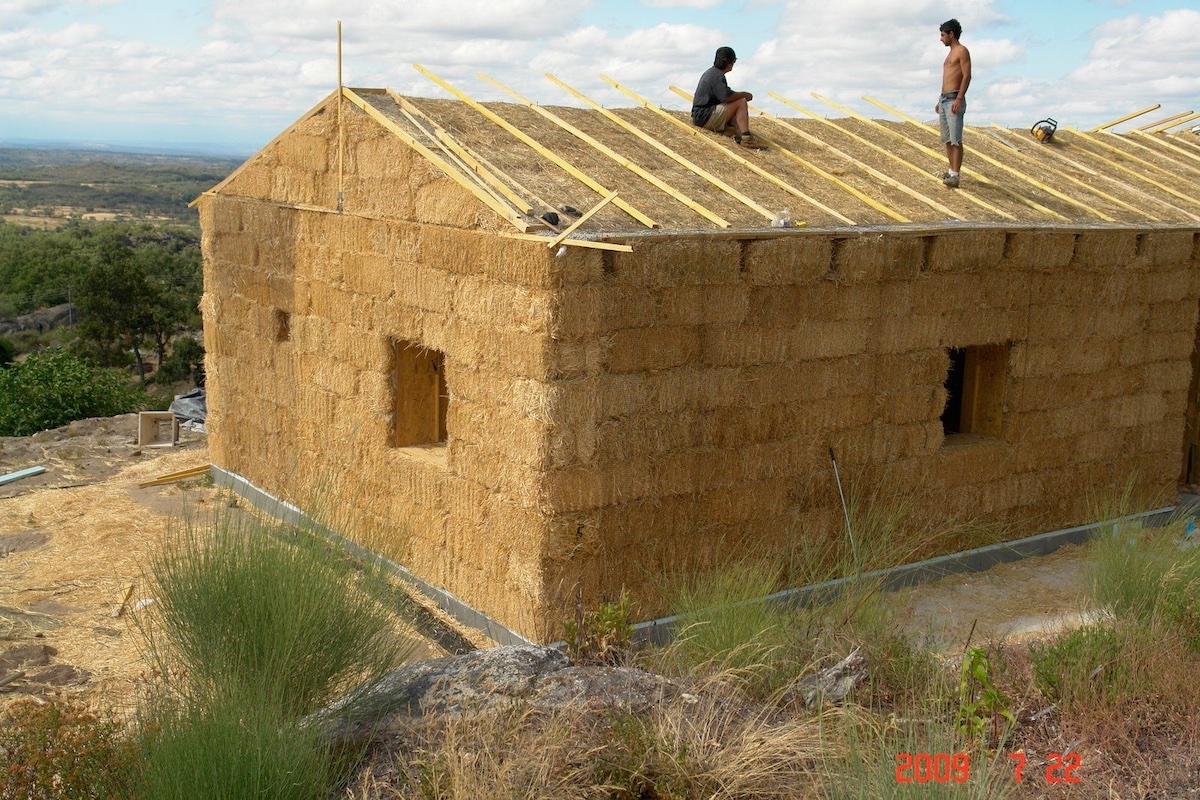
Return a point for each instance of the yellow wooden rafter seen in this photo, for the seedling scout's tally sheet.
(1049, 150)
(1184, 121)
(1126, 118)
(591, 212)
(585, 243)
(1160, 141)
(449, 144)
(545, 152)
(983, 179)
(614, 155)
(662, 148)
(872, 202)
(924, 173)
(1016, 173)
(493, 202)
(1164, 120)
(702, 136)
(1091, 139)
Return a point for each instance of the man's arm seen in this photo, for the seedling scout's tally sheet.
(739, 96)
(964, 66)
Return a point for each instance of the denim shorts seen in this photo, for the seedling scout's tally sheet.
(951, 123)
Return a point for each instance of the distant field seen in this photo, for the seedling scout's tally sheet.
(46, 188)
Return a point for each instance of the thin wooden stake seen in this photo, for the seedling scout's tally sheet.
(582, 219)
(341, 101)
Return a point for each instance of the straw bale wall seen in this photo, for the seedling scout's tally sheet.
(617, 418)
(708, 430)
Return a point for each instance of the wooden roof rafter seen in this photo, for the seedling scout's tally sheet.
(1125, 118)
(1184, 121)
(1048, 149)
(699, 133)
(662, 148)
(1159, 141)
(983, 179)
(542, 150)
(872, 202)
(1066, 198)
(636, 169)
(1090, 139)
(1164, 120)
(472, 184)
(925, 174)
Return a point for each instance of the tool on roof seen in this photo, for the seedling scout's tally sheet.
(1043, 130)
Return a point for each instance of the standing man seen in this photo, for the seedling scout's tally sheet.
(956, 77)
(716, 107)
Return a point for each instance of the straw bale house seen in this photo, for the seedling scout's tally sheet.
(527, 427)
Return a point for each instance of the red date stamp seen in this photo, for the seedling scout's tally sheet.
(956, 767)
(932, 767)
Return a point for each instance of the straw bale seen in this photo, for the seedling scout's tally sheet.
(478, 253)
(896, 298)
(758, 461)
(981, 326)
(584, 488)
(905, 257)
(704, 305)
(368, 273)
(641, 350)
(576, 359)
(895, 372)
(236, 247)
(860, 259)
(919, 404)
(891, 442)
(980, 462)
(1038, 451)
(1172, 316)
(965, 251)
(787, 261)
(1099, 445)
(304, 152)
(491, 468)
(1140, 409)
(1167, 249)
(1155, 437)
(419, 287)
(1165, 376)
(1000, 495)
(294, 186)
(330, 302)
(830, 340)
(1038, 250)
(948, 292)
(501, 304)
(524, 440)
(1104, 249)
(906, 334)
(734, 345)
(678, 262)
(1175, 284)
(310, 332)
(735, 504)
(1166, 346)
(820, 302)
(255, 180)
(373, 155)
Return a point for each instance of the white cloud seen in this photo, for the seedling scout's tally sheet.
(681, 3)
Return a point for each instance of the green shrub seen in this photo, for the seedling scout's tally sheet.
(258, 607)
(1083, 662)
(8, 351)
(53, 388)
(603, 636)
(61, 749)
(230, 746)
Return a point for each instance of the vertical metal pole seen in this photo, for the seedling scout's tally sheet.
(845, 510)
(341, 145)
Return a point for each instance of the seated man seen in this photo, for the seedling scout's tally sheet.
(715, 107)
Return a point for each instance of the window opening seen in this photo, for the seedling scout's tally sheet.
(975, 390)
(420, 398)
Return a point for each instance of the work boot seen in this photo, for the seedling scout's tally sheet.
(748, 141)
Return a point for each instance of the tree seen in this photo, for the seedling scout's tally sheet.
(116, 298)
(54, 387)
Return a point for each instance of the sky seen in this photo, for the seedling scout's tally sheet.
(228, 75)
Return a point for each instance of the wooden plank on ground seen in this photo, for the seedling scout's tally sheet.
(171, 477)
(13, 477)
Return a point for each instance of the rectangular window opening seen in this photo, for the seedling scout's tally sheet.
(420, 398)
(283, 325)
(975, 392)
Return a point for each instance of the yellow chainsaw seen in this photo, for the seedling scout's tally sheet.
(1043, 130)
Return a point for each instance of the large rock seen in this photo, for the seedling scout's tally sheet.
(41, 320)
(484, 681)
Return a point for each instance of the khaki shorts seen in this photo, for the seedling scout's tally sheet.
(719, 118)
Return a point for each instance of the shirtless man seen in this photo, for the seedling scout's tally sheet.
(716, 107)
(956, 77)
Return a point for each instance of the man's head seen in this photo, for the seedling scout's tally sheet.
(951, 31)
(724, 58)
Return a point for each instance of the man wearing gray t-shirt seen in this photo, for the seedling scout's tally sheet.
(716, 107)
